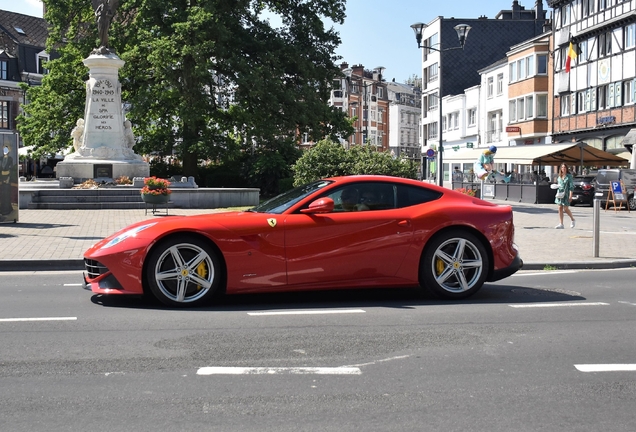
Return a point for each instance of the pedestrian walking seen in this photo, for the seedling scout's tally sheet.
(565, 187)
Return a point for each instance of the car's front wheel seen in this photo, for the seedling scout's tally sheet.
(631, 202)
(183, 271)
(454, 264)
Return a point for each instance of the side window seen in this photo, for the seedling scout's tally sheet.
(363, 197)
(412, 195)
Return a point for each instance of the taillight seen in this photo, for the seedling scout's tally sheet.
(586, 186)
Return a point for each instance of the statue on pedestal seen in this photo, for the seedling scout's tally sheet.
(104, 13)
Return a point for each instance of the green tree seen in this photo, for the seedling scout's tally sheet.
(204, 79)
(330, 159)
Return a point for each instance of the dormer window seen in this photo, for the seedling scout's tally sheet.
(4, 67)
(42, 57)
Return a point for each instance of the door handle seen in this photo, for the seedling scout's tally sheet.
(404, 223)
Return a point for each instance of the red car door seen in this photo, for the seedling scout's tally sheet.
(347, 247)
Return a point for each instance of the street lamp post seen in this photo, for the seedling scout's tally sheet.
(462, 31)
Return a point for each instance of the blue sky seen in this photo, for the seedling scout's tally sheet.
(375, 32)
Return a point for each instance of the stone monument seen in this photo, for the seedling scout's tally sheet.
(103, 140)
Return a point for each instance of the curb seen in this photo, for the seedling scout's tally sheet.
(581, 265)
(42, 265)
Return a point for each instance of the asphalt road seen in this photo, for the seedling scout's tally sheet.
(514, 357)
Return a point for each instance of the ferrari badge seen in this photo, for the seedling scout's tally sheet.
(271, 222)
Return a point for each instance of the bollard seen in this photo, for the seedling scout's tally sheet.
(596, 221)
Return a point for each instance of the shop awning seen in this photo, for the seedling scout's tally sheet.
(543, 154)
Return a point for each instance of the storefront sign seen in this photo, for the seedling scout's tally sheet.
(513, 129)
(606, 120)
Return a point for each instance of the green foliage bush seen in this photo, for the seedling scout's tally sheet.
(331, 159)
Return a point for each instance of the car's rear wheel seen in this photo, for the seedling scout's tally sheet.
(631, 202)
(183, 271)
(454, 264)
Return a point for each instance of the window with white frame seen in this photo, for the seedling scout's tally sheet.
(629, 89)
(490, 86)
(605, 44)
(42, 57)
(444, 123)
(499, 84)
(513, 72)
(521, 69)
(565, 15)
(542, 105)
(472, 117)
(581, 106)
(602, 97)
(542, 64)
(432, 130)
(529, 107)
(630, 36)
(432, 102)
(565, 105)
(512, 111)
(433, 72)
(4, 114)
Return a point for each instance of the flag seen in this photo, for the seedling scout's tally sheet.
(568, 60)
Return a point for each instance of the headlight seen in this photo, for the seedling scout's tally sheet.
(129, 233)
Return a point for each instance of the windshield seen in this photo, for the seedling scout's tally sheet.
(287, 199)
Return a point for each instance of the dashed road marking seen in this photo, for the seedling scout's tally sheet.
(617, 367)
(38, 319)
(279, 371)
(308, 312)
(552, 305)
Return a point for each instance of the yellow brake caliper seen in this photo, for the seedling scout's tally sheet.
(202, 270)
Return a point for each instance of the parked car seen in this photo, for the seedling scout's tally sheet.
(584, 187)
(337, 233)
(604, 179)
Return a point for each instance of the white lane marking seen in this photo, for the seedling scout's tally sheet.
(308, 312)
(549, 305)
(38, 319)
(74, 284)
(606, 367)
(543, 272)
(380, 361)
(626, 302)
(279, 371)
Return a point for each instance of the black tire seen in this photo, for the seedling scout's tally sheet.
(631, 202)
(183, 271)
(454, 265)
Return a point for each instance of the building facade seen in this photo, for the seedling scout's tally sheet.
(22, 59)
(404, 120)
(459, 67)
(595, 96)
(363, 95)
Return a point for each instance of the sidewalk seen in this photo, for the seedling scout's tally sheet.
(57, 239)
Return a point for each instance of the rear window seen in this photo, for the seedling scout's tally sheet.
(605, 177)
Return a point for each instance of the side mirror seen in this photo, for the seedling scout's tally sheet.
(321, 205)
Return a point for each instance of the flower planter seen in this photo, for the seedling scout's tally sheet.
(155, 199)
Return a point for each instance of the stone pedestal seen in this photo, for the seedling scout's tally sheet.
(103, 139)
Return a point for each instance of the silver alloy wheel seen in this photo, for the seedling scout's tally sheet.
(457, 265)
(184, 273)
